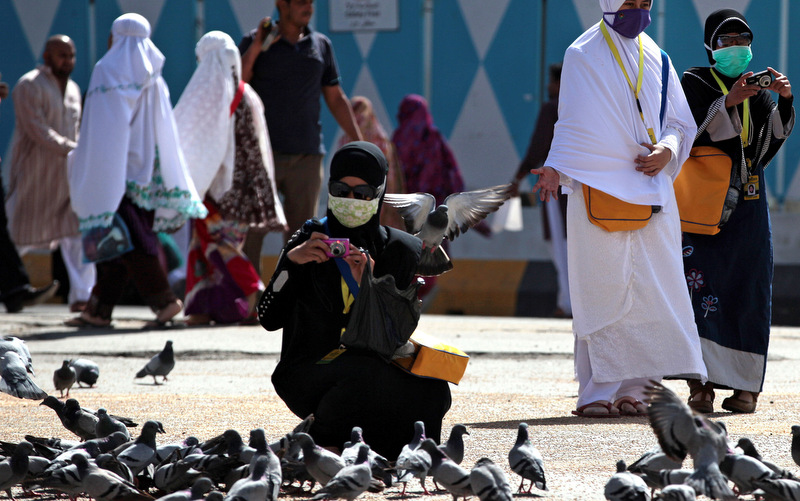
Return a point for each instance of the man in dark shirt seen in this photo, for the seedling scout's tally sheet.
(296, 67)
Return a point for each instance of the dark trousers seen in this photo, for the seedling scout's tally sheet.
(13, 276)
(360, 389)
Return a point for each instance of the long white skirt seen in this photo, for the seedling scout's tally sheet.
(630, 301)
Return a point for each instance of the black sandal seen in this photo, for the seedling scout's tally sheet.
(699, 390)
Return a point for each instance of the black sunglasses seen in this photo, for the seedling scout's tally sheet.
(340, 189)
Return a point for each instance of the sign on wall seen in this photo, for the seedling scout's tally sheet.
(364, 15)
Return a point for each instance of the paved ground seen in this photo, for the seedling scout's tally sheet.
(520, 370)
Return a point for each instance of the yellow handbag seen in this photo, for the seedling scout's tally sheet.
(702, 189)
(613, 214)
(434, 359)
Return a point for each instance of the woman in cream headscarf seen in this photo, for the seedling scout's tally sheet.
(224, 138)
(632, 318)
(128, 171)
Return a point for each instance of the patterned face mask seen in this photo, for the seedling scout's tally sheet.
(352, 212)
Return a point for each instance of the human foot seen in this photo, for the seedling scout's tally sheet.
(598, 409)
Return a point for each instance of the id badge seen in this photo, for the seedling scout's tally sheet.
(751, 188)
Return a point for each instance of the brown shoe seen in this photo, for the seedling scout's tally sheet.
(736, 404)
(697, 396)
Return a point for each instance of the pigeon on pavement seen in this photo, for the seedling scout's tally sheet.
(795, 447)
(680, 432)
(743, 470)
(263, 484)
(104, 485)
(454, 447)
(748, 447)
(432, 224)
(106, 425)
(198, 490)
(526, 461)
(676, 493)
(86, 371)
(779, 489)
(378, 464)
(142, 452)
(654, 460)
(80, 421)
(489, 482)
(64, 377)
(321, 463)
(13, 469)
(626, 486)
(446, 472)
(349, 482)
(407, 451)
(160, 365)
(662, 478)
(14, 378)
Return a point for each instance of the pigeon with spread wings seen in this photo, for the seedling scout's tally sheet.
(432, 224)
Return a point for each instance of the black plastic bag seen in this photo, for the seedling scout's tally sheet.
(383, 317)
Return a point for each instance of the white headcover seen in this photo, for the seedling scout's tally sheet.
(203, 116)
(599, 132)
(128, 136)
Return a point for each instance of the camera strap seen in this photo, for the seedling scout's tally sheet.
(745, 114)
(344, 269)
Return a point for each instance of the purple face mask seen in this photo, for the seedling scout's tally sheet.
(630, 22)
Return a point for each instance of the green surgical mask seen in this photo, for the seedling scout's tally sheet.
(352, 212)
(732, 61)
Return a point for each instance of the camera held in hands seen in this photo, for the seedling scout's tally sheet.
(337, 247)
(763, 79)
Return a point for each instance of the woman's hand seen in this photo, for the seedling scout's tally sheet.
(547, 184)
(357, 260)
(780, 84)
(741, 90)
(311, 251)
(652, 163)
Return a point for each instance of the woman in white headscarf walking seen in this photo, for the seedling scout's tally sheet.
(128, 176)
(224, 137)
(615, 134)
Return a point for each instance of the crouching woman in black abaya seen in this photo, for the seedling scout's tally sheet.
(309, 298)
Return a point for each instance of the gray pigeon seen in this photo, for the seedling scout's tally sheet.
(676, 493)
(13, 469)
(662, 478)
(795, 447)
(199, 489)
(749, 448)
(321, 464)
(489, 482)
(407, 451)
(14, 378)
(680, 432)
(378, 464)
(446, 472)
(744, 470)
(160, 365)
(349, 482)
(654, 460)
(107, 461)
(78, 420)
(432, 224)
(526, 461)
(142, 452)
(106, 425)
(104, 444)
(86, 371)
(779, 489)
(64, 377)
(283, 443)
(626, 486)
(263, 484)
(171, 477)
(104, 485)
(454, 447)
(17, 345)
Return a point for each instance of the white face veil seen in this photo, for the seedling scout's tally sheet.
(205, 123)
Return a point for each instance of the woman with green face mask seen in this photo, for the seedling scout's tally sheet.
(730, 273)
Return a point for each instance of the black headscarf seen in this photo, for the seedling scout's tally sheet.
(723, 21)
(366, 161)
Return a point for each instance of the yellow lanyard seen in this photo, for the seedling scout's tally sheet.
(347, 298)
(639, 77)
(746, 114)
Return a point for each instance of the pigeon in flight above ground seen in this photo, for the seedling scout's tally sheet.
(526, 461)
(86, 371)
(64, 377)
(159, 365)
(15, 380)
(432, 224)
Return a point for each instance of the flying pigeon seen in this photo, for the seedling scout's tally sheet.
(13, 469)
(489, 482)
(64, 377)
(86, 371)
(680, 432)
(349, 482)
(626, 486)
(159, 365)
(454, 447)
(14, 378)
(795, 447)
(526, 461)
(432, 224)
(446, 472)
(17, 345)
(676, 493)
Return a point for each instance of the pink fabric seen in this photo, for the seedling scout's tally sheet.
(428, 163)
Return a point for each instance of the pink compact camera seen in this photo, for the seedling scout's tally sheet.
(337, 247)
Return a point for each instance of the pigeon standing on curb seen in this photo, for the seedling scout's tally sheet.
(489, 482)
(526, 461)
(160, 365)
(626, 486)
(64, 377)
(432, 224)
(14, 378)
(86, 371)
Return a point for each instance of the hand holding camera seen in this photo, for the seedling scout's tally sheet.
(763, 79)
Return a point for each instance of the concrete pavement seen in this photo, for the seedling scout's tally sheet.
(520, 370)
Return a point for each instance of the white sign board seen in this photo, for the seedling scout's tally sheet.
(364, 15)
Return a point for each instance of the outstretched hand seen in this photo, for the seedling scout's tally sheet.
(547, 184)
